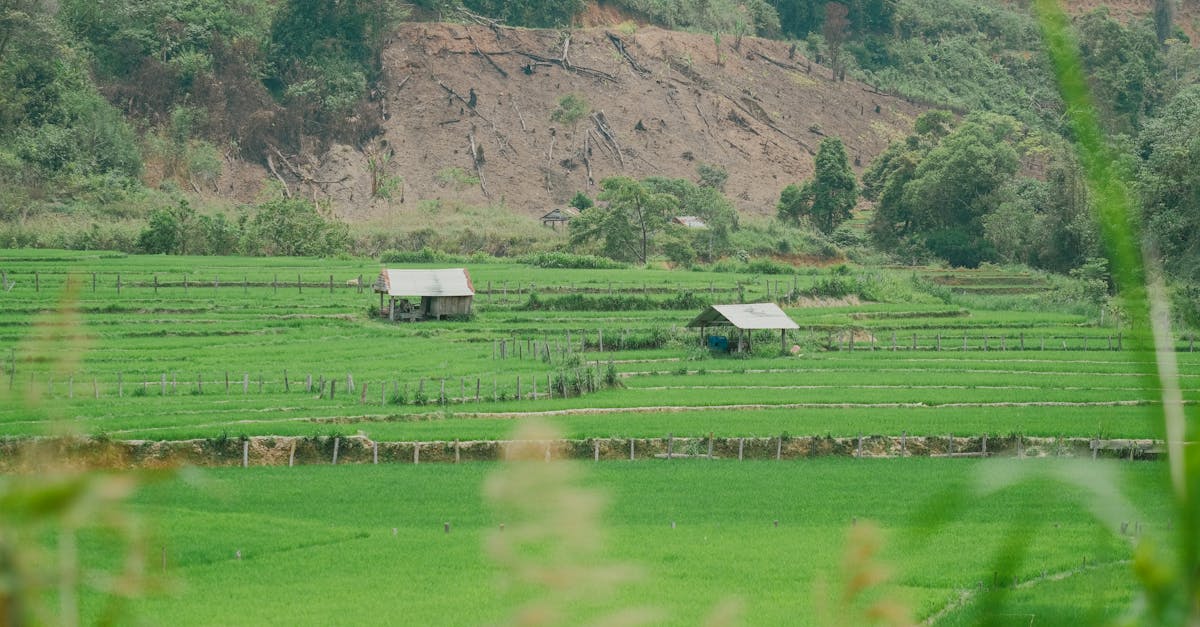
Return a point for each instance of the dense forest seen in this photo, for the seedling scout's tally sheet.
(113, 111)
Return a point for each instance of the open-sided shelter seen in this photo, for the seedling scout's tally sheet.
(446, 292)
(560, 216)
(749, 317)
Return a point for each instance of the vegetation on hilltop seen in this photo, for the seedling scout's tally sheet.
(108, 112)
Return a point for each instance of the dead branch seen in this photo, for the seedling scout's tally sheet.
(300, 174)
(478, 164)
(608, 133)
(587, 161)
(766, 122)
(737, 148)
(486, 57)
(519, 116)
(566, 62)
(706, 125)
(587, 71)
(742, 122)
(400, 85)
(786, 66)
(446, 122)
(456, 95)
(482, 21)
(619, 44)
(600, 142)
(287, 192)
(550, 153)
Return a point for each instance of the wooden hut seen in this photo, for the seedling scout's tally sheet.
(744, 318)
(446, 292)
(561, 216)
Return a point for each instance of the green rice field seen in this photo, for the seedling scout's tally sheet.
(219, 348)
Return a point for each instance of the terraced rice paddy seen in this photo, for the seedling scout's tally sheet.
(222, 348)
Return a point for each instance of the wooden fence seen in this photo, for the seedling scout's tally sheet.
(24, 453)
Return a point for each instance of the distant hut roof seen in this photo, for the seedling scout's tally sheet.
(563, 214)
(691, 222)
(448, 282)
(751, 316)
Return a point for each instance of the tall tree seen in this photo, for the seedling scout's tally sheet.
(829, 197)
(628, 226)
(835, 30)
(1169, 183)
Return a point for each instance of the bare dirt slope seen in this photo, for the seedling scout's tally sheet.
(675, 101)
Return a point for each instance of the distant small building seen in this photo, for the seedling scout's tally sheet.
(749, 317)
(691, 222)
(560, 216)
(446, 292)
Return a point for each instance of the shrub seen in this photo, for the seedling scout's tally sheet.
(570, 260)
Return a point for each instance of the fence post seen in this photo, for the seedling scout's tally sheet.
(374, 451)
(286, 387)
(630, 449)
(779, 448)
(121, 385)
(741, 447)
(670, 437)
(336, 443)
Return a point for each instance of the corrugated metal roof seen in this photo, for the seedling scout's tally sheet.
(751, 316)
(562, 214)
(448, 282)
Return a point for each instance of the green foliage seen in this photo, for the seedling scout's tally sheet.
(531, 13)
(627, 228)
(571, 109)
(293, 227)
(1169, 183)
(827, 200)
(569, 260)
(326, 52)
(713, 176)
(715, 16)
(935, 193)
(424, 255)
(1123, 63)
(581, 201)
(456, 178)
(583, 302)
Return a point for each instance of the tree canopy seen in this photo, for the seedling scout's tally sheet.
(828, 199)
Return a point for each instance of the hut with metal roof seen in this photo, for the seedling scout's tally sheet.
(447, 292)
(559, 216)
(750, 317)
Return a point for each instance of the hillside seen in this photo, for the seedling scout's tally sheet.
(755, 112)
